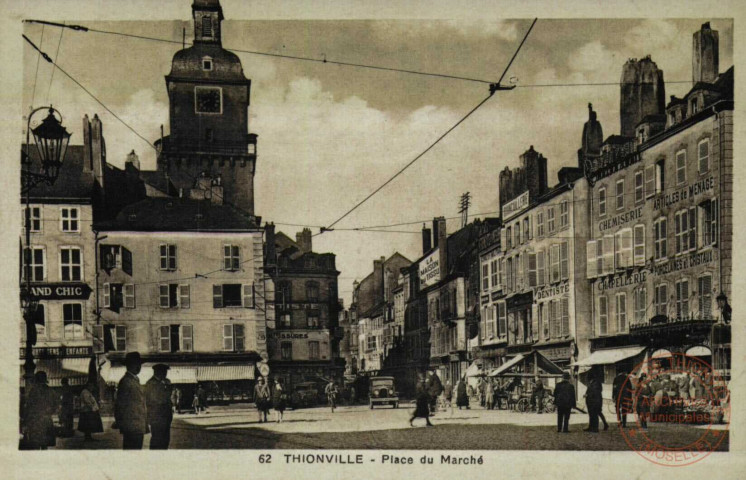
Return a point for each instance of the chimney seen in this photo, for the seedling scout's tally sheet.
(269, 241)
(98, 152)
(426, 239)
(435, 232)
(133, 160)
(378, 279)
(303, 239)
(705, 54)
(87, 159)
(441, 241)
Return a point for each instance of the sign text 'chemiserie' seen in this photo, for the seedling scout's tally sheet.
(620, 219)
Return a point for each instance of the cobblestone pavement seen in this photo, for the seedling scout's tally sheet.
(358, 427)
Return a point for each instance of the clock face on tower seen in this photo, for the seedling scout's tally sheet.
(208, 100)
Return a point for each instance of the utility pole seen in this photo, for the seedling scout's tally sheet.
(464, 204)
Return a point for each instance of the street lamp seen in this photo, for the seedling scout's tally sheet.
(51, 140)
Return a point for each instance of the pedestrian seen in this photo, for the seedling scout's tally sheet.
(130, 409)
(331, 394)
(462, 399)
(278, 400)
(683, 384)
(422, 405)
(624, 400)
(202, 394)
(489, 395)
(90, 415)
(67, 409)
(594, 402)
(262, 399)
(448, 395)
(643, 399)
(195, 403)
(537, 395)
(41, 404)
(160, 414)
(176, 400)
(434, 389)
(616, 389)
(564, 399)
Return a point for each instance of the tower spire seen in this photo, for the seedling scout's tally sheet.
(207, 17)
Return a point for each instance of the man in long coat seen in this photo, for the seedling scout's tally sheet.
(130, 409)
(564, 399)
(434, 389)
(158, 401)
(594, 402)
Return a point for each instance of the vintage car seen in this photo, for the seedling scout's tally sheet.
(304, 394)
(383, 392)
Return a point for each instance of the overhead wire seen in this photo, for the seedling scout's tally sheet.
(36, 73)
(54, 64)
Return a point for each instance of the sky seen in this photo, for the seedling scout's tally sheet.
(329, 135)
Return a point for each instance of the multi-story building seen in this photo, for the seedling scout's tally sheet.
(535, 291)
(62, 268)
(491, 346)
(304, 339)
(661, 225)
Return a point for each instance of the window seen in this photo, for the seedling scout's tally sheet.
(312, 320)
(501, 273)
(233, 337)
(109, 338)
(660, 239)
(565, 318)
(603, 315)
(312, 292)
(371, 342)
(623, 248)
(531, 267)
(708, 214)
(621, 312)
(541, 268)
(649, 181)
(543, 321)
(685, 228)
(564, 214)
(641, 305)
(168, 256)
(72, 316)
(639, 186)
(168, 295)
(69, 219)
(564, 261)
(527, 228)
(206, 63)
(286, 350)
(554, 260)
(703, 154)
(661, 299)
(681, 167)
(36, 262)
(231, 257)
(540, 224)
(71, 266)
(285, 320)
(660, 180)
(206, 26)
(35, 213)
(601, 201)
(495, 273)
(510, 285)
(608, 254)
(232, 295)
(129, 295)
(682, 299)
(517, 232)
(704, 291)
(639, 233)
(502, 322)
(39, 319)
(485, 277)
(555, 318)
(694, 104)
(550, 219)
(313, 350)
(508, 238)
(590, 264)
(620, 194)
(600, 256)
(176, 338)
(518, 267)
(283, 295)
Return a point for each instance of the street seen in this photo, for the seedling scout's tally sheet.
(359, 427)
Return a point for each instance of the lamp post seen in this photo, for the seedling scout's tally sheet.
(51, 140)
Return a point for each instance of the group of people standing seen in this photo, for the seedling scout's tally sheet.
(266, 398)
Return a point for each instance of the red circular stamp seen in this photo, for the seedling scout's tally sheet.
(680, 406)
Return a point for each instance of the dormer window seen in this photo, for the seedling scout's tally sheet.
(693, 106)
(207, 64)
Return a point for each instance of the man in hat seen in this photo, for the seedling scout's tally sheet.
(158, 401)
(41, 404)
(564, 399)
(130, 409)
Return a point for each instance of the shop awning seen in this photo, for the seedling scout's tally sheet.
(176, 373)
(74, 369)
(699, 351)
(507, 366)
(474, 370)
(608, 356)
(216, 373)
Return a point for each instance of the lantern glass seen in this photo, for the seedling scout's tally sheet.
(51, 142)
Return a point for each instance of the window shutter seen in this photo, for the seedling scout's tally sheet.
(705, 296)
(228, 337)
(226, 257)
(626, 247)
(590, 256)
(565, 302)
(555, 262)
(98, 338)
(163, 295)
(217, 297)
(248, 296)
(165, 338)
(608, 254)
(164, 256)
(501, 266)
(650, 181)
(238, 334)
(564, 261)
(187, 342)
(107, 295)
(603, 315)
(129, 295)
(639, 245)
(532, 281)
(172, 257)
(126, 261)
(692, 228)
(121, 338)
(541, 268)
(236, 254)
(503, 241)
(184, 294)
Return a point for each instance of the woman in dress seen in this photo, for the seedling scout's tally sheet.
(90, 417)
(462, 399)
(422, 408)
(278, 401)
(262, 399)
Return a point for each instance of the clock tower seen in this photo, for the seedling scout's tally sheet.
(208, 114)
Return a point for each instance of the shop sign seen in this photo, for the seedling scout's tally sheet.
(689, 191)
(551, 291)
(683, 263)
(429, 269)
(622, 280)
(620, 219)
(557, 353)
(304, 306)
(61, 291)
(291, 335)
(514, 206)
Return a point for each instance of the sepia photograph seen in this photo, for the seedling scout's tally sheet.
(453, 235)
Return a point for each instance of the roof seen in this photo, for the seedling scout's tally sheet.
(226, 66)
(72, 183)
(178, 214)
